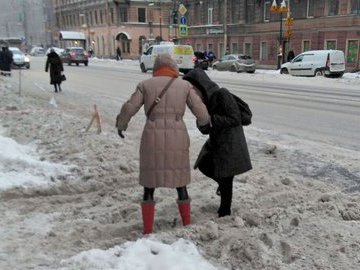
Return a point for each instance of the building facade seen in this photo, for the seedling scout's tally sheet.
(248, 26)
(235, 26)
(108, 24)
(27, 21)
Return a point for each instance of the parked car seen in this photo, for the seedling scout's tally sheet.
(37, 51)
(236, 63)
(59, 51)
(182, 54)
(19, 58)
(75, 55)
(201, 60)
(330, 63)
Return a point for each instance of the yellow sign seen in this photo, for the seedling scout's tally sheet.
(289, 21)
(288, 34)
(182, 9)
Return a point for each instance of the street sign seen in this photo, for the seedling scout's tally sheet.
(183, 30)
(182, 9)
(182, 20)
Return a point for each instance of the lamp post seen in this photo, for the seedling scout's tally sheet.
(280, 10)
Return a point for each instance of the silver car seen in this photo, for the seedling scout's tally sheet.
(236, 63)
(19, 58)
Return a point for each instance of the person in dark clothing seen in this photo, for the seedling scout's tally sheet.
(290, 56)
(225, 154)
(6, 60)
(118, 54)
(56, 68)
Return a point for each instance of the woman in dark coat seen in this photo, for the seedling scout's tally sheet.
(225, 154)
(56, 67)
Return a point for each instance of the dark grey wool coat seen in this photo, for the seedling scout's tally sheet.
(225, 154)
(56, 67)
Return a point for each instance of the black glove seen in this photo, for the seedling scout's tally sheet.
(121, 134)
(205, 129)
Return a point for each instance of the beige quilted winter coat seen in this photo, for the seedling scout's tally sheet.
(164, 149)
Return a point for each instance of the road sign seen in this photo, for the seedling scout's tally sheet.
(183, 30)
(182, 9)
(182, 20)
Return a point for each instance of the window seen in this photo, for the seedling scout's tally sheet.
(333, 7)
(101, 16)
(141, 15)
(198, 47)
(263, 51)
(267, 11)
(210, 47)
(330, 44)
(355, 6)
(305, 45)
(248, 49)
(233, 10)
(234, 48)
(310, 8)
(96, 17)
(352, 51)
(210, 16)
(123, 14)
(221, 49)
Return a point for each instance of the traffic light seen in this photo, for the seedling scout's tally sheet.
(174, 17)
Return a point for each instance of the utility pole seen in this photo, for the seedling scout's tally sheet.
(108, 27)
(225, 26)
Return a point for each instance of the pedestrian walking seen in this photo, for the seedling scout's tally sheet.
(118, 54)
(6, 60)
(164, 148)
(225, 154)
(290, 56)
(56, 68)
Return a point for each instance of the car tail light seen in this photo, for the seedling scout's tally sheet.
(72, 54)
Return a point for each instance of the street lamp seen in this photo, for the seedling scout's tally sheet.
(280, 10)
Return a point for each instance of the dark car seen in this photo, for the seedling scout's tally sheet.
(201, 60)
(75, 55)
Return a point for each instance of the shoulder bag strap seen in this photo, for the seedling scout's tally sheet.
(157, 99)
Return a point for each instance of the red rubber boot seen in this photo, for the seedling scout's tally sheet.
(185, 209)
(148, 213)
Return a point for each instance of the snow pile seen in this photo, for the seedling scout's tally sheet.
(143, 254)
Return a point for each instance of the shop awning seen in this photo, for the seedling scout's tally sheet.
(69, 35)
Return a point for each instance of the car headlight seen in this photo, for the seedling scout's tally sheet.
(27, 59)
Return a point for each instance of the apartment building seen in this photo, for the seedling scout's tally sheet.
(248, 26)
(108, 24)
(236, 26)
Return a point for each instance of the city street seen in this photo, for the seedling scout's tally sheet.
(74, 195)
(316, 109)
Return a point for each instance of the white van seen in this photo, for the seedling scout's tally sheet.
(330, 63)
(182, 54)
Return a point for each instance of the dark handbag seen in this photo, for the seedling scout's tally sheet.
(63, 77)
(205, 160)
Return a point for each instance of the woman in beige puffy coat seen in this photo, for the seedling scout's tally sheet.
(164, 149)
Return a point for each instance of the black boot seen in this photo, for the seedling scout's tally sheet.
(225, 187)
(59, 88)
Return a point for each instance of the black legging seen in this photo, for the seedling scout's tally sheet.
(182, 193)
(226, 190)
